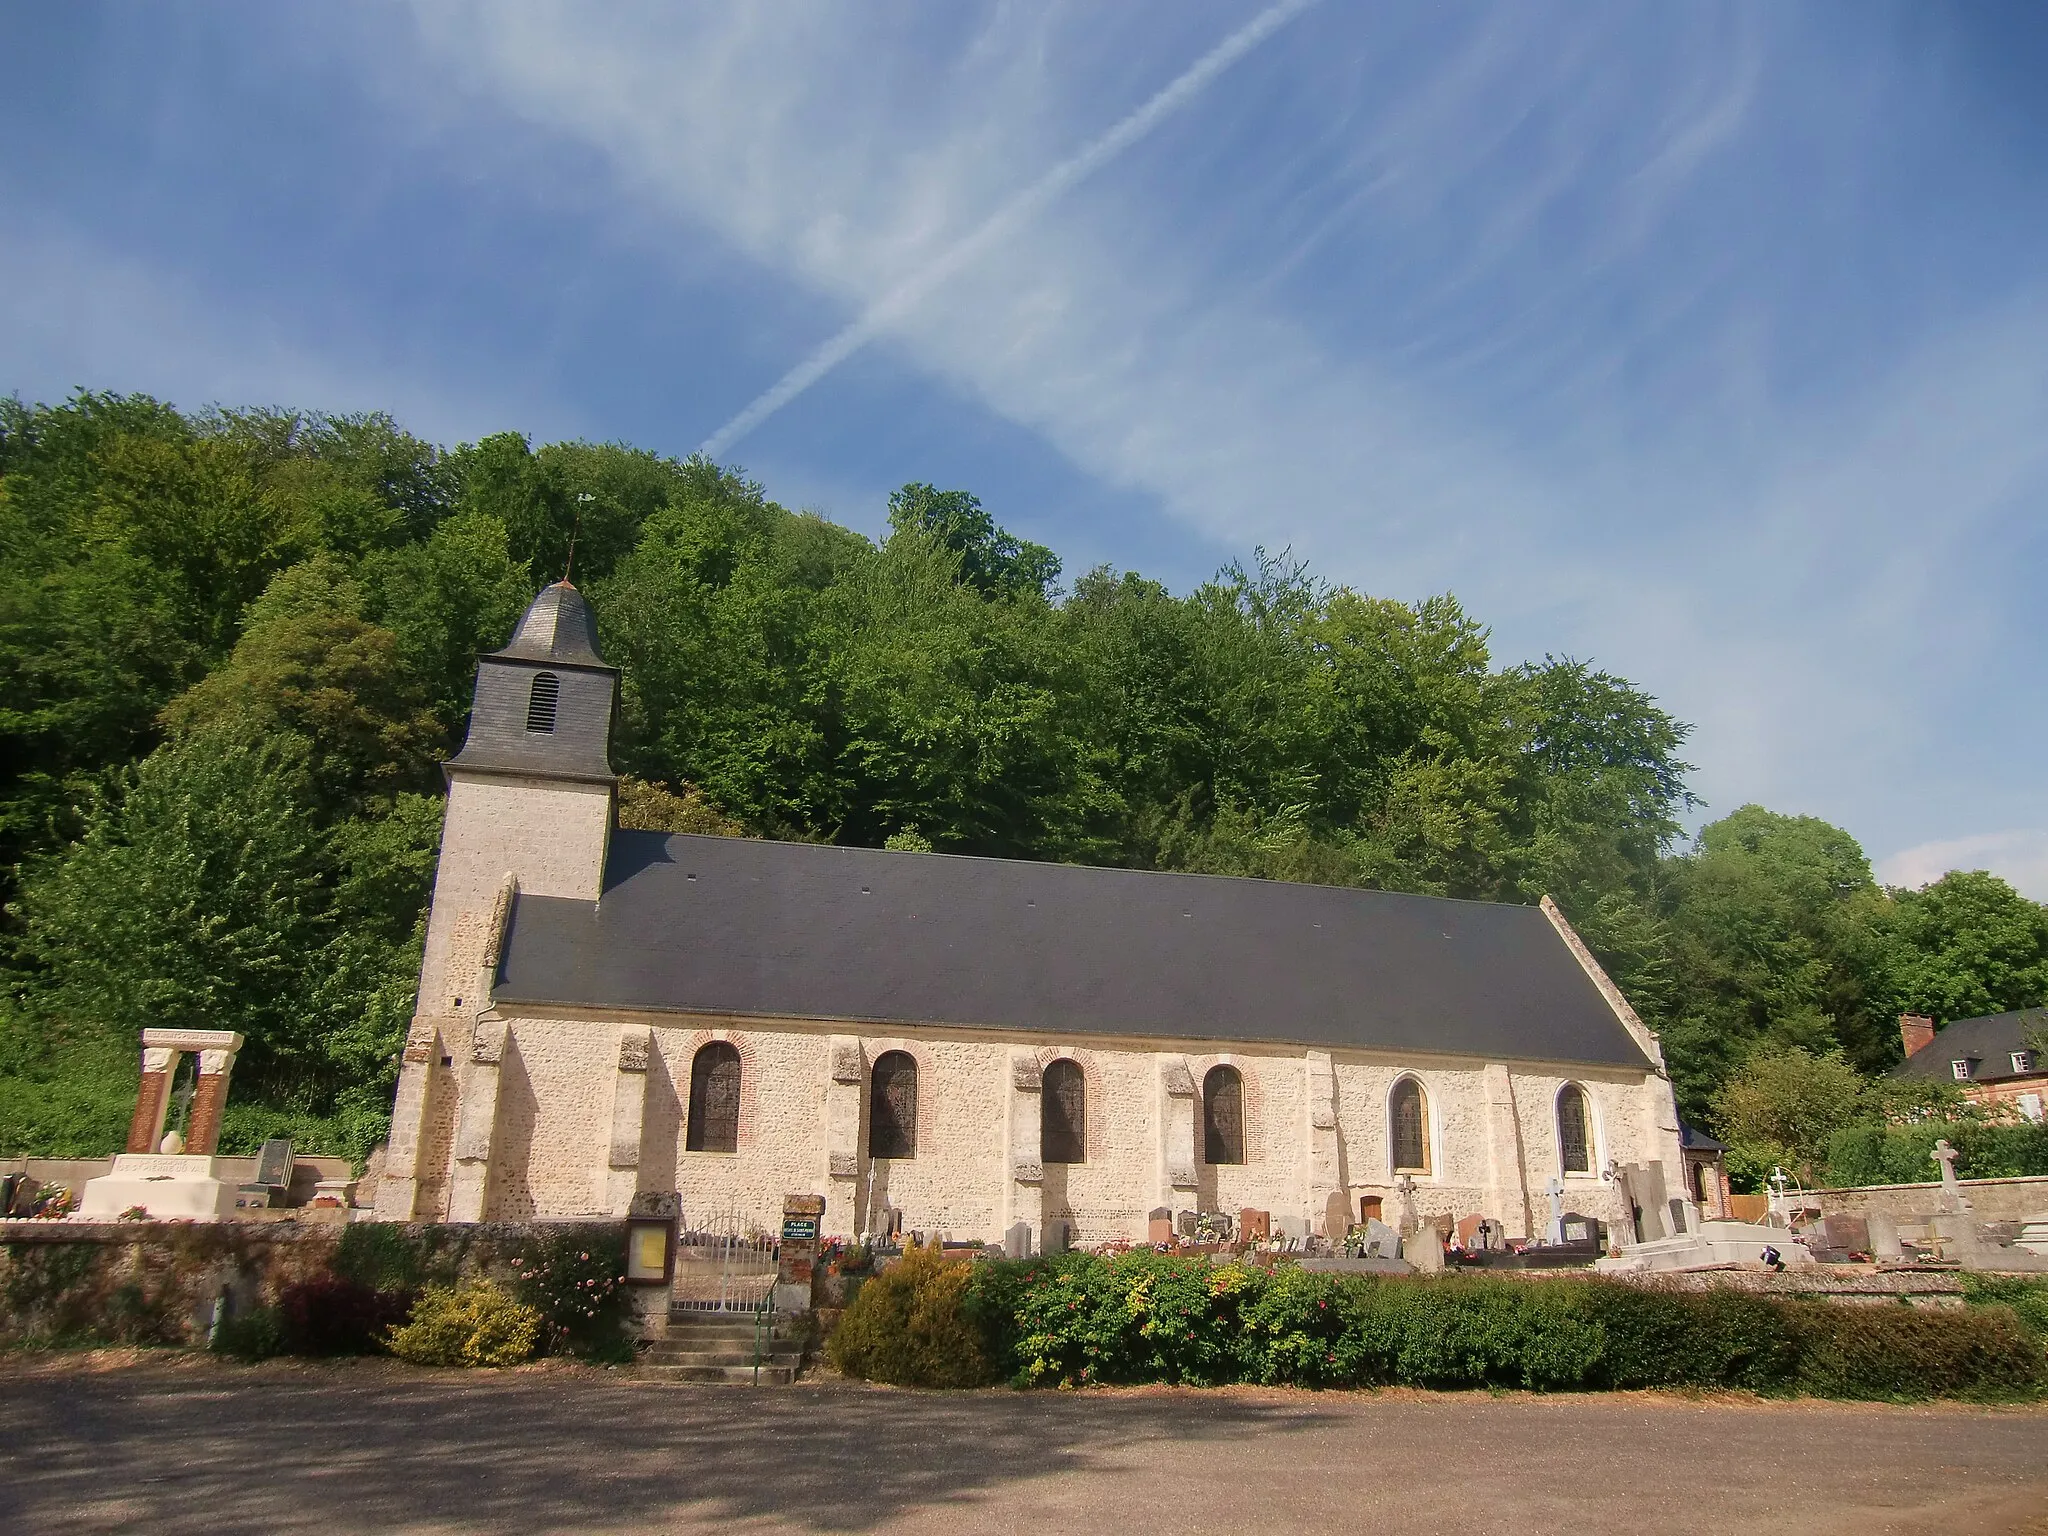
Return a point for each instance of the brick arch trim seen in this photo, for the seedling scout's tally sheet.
(750, 1067)
(873, 1050)
(1097, 1101)
(1255, 1150)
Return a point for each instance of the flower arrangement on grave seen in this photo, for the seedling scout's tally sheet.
(134, 1213)
(53, 1203)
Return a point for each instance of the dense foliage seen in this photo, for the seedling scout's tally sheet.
(234, 647)
(1083, 1320)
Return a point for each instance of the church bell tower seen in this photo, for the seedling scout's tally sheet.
(530, 811)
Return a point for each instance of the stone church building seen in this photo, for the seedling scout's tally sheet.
(961, 1044)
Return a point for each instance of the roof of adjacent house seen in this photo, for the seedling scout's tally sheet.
(797, 930)
(1987, 1043)
(1692, 1140)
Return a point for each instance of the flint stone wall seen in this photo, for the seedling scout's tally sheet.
(150, 1282)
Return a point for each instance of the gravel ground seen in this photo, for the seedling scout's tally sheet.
(115, 1442)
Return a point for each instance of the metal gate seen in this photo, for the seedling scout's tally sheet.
(722, 1267)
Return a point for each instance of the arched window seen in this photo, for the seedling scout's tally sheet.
(1574, 1130)
(1408, 1111)
(1063, 1113)
(541, 702)
(892, 1106)
(715, 1099)
(1223, 1116)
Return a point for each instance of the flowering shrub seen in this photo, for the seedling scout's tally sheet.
(475, 1324)
(577, 1283)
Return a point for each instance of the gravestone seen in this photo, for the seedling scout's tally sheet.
(18, 1196)
(1017, 1241)
(1424, 1249)
(1059, 1236)
(1843, 1234)
(272, 1179)
(1336, 1215)
(1490, 1236)
(1884, 1236)
(1184, 1225)
(1254, 1226)
(1554, 1233)
(1381, 1241)
(1575, 1228)
(1159, 1225)
(1952, 1197)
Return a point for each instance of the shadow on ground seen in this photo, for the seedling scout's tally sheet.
(370, 1449)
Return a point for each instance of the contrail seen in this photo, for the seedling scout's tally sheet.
(905, 296)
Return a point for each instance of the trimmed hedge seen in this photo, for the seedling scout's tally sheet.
(1143, 1317)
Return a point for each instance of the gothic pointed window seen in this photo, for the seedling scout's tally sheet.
(1408, 1112)
(715, 1099)
(1574, 1130)
(892, 1106)
(1063, 1113)
(541, 703)
(1223, 1116)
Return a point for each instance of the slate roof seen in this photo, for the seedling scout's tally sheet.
(751, 927)
(557, 626)
(1691, 1140)
(1988, 1043)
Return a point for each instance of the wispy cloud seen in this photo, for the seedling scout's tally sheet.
(2020, 856)
(1004, 223)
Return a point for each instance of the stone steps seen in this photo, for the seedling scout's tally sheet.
(727, 1375)
(719, 1347)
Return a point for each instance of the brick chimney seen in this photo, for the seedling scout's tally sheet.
(1915, 1032)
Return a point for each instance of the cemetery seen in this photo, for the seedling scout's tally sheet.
(718, 1107)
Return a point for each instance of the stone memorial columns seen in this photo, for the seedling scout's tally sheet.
(209, 1101)
(152, 1097)
(161, 1049)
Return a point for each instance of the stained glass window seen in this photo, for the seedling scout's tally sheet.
(1063, 1113)
(715, 1099)
(1411, 1127)
(1574, 1130)
(892, 1106)
(1223, 1116)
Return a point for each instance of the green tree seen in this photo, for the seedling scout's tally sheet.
(1967, 945)
(991, 561)
(1782, 1107)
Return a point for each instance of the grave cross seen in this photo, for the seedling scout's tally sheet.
(1952, 1196)
(1555, 1189)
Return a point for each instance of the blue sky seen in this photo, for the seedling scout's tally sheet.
(1707, 342)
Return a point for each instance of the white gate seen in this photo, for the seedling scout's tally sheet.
(721, 1267)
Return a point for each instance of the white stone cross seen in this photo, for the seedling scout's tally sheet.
(1952, 1196)
(1555, 1189)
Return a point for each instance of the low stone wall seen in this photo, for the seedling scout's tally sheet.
(1856, 1286)
(75, 1173)
(149, 1282)
(1990, 1199)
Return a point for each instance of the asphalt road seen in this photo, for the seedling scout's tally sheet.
(193, 1445)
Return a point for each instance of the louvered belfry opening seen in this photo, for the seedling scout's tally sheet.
(715, 1099)
(1223, 1116)
(1063, 1113)
(1574, 1130)
(892, 1106)
(1410, 1115)
(542, 702)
